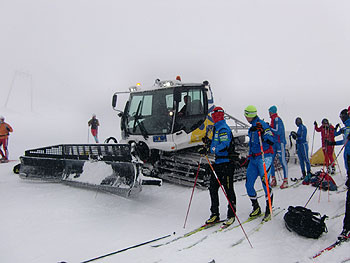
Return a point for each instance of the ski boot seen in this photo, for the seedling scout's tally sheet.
(214, 218)
(267, 216)
(344, 235)
(4, 160)
(256, 209)
(303, 176)
(306, 178)
(333, 170)
(229, 221)
(284, 184)
(273, 181)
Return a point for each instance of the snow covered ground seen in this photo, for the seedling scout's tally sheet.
(62, 60)
(50, 222)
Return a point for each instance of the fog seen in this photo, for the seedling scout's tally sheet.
(293, 54)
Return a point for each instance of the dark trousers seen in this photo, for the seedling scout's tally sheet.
(347, 212)
(347, 204)
(225, 172)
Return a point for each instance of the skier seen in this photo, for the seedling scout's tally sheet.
(302, 147)
(223, 167)
(344, 116)
(5, 130)
(327, 134)
(94, 123)
(256, 165)
(279, 146)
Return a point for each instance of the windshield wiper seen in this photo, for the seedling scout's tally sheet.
(141, 125)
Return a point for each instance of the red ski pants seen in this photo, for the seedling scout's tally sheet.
(328, 155)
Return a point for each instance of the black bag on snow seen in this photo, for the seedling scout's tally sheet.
(305, 222)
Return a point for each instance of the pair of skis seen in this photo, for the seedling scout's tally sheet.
(221, 229)
(276, 211)
(194, 231)
(334, 245)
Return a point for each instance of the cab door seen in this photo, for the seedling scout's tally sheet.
(190, 118)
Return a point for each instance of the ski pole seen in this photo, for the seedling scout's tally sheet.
(194, 186)
(124, 249)
(323, 176)
(313, 139)
(223, 190)
(265, 172)
(339, 169)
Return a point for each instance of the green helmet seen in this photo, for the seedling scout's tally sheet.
(250, 111)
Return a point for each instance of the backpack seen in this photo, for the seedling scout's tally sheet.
(326, 181)
(305, 222)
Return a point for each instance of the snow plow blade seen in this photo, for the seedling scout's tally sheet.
(106, 167)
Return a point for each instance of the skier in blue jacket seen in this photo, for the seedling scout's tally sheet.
(344, 116)
(223, 167)
(279, 146)
(256, 165)
(302, 147)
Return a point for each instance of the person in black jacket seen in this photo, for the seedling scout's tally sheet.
(94, 123)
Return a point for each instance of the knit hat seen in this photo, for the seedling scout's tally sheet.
(344, 115)
(217, 114)
(250, 111)
(273, 109)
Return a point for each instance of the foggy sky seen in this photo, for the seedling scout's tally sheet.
(293, 54)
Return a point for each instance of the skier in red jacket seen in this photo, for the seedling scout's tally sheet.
(5, 130)
(327, 134)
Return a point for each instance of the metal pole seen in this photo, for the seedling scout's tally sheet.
(194, 186)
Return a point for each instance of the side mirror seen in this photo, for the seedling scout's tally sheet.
(114, 101)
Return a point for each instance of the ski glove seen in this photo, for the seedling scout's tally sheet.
(269, 142)
(315, 123)
(337, 126)
(206, 140)
(258, 128)
(203, 150)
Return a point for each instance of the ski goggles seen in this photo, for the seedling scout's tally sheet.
(216, 111)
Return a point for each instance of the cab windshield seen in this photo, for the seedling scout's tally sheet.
(156, 112)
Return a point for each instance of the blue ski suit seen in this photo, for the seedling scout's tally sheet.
(255, 166)
(279, 146)
(346, 132)
(303, 149)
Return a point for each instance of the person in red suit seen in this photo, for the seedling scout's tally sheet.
(327, 134)
(5, 130)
